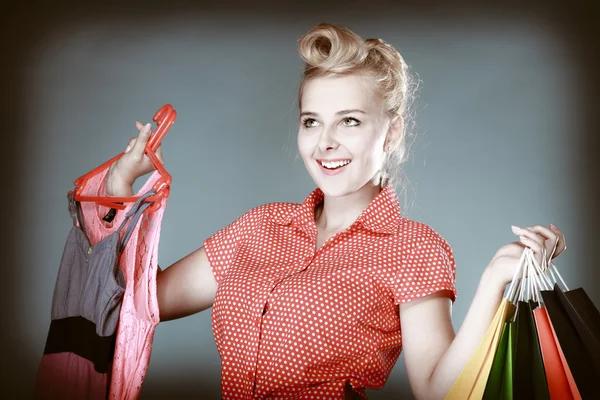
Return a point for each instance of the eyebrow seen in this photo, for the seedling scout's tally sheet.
(313, 114)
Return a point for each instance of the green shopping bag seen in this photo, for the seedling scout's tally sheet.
(507, 388)
(495, 382)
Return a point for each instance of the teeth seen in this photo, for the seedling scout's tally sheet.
(334, 164)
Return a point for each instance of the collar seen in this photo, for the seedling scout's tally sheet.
(381, 216)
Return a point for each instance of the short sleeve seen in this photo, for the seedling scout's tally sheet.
(221, 248)
(427, 267)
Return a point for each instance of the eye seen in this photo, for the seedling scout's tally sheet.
(309, 122)
(350, 121)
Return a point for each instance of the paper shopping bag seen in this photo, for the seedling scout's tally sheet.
(480, 363)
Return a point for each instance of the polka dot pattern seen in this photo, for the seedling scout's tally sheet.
(294, 322)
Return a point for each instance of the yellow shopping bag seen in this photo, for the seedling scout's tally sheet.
(473, 378)
(484, 372)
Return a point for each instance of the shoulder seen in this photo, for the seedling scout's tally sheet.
(279, 212)
(413, 235)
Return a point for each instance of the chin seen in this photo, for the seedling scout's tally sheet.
(340, 189)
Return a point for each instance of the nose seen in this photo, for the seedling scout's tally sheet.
(327, 139)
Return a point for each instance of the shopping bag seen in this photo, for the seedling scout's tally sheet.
(499, 384)
(493, 387)
(507, 389)
(558, 385)
(580, 300)
(480, 363)
(579, 361)
(482, 377)
(570, 379)
(503, 390)
(540, 383)
(471, 382)
(529, 377)
(582, 320)
(522, 371)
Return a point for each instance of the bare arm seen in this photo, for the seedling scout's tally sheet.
(186, 287)
(434, 355)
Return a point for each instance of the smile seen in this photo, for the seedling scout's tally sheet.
(333, 166)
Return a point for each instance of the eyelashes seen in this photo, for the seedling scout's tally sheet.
(307, 121)
(349, 122)
(353, 121)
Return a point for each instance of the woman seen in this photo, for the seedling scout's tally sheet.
(316, 300)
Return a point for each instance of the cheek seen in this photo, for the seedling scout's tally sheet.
(305, 145)
(371, 155)
(371, 161)
(370, 146)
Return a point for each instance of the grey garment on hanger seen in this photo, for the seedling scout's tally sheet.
(90, 283)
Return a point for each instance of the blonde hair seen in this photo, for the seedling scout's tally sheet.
(330, 50)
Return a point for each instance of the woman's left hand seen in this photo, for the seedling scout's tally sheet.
(546, 242)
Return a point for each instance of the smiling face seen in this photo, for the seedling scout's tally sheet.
(343, 127)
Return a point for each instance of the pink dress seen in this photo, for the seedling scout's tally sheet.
(74, 370)
(139, 311)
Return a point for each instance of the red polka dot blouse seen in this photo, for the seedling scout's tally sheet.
(294, 323)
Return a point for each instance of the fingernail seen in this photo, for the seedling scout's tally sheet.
(127, 149)
(553, 226)
(515, 228)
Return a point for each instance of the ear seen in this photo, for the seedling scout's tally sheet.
(394, 134)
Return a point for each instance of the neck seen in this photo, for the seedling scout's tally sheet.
(338, 213)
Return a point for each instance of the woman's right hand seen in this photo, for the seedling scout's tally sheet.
(133, 164)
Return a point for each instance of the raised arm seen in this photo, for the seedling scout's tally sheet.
(188, 286)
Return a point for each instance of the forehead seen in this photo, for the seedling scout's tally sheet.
(328, 95)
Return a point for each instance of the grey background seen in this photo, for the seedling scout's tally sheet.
(504, 136)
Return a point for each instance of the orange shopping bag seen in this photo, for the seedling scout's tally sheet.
(558, 383)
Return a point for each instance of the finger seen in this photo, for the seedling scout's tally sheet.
(551, 239)
(562, 244)
(139, 125)
(130, 145)
(555, 244)
(546, 232)
(142, 140)
(532, 244)
(529, 234)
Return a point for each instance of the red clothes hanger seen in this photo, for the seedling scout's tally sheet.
(164, 118)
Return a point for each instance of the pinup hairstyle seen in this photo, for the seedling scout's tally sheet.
(330, 50)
